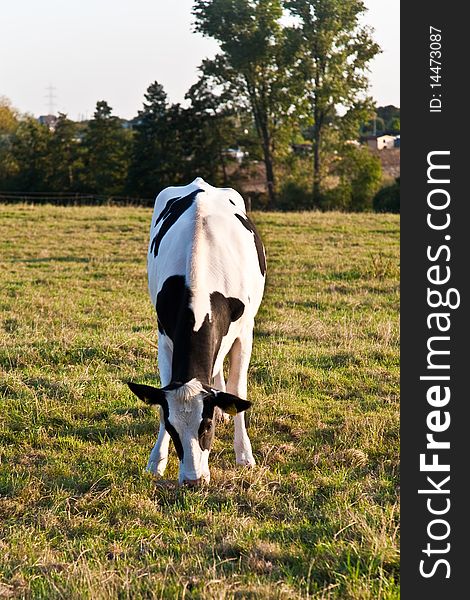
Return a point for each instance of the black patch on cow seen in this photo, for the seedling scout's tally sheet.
(173, 210)
(194, 352)
(225, 399)
(172, 431)
(248, 224)
(147, 393)
(166, 211)
(207, 427)
(236, 306)
(152, 395)
(174, 385)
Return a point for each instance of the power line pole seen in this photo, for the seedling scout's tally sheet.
(51, 97)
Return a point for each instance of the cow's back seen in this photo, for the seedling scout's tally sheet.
(203, 234)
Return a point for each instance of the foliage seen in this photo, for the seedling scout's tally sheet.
(316, 518)
(152, 143)
(363, 171)
(8, 117)
(395, 125)
(388, 198)
(295, 196)
(8, 125)
(360, 176)
(337, 50)
(30, 167)
(296, 189)
(256, 68)
(374, 125)
(63, 155)
(106, 152)
(210, 130)
(388, 114)
(387, 119)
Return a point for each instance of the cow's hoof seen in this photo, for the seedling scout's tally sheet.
(153, 468)
(246, 461)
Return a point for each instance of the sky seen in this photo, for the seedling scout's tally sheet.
(90, 50)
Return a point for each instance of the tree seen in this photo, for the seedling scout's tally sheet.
(375, 125)
(337, 51)
(63, 156)
(106, 146)
(388, 198)
(255, 67)
(210, 121)
(388, 113)
(157, 155)
(30, 156)
(394, 126)
(360, 175)
(9, 121)
(8, 117)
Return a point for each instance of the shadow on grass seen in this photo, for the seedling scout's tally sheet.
(48, 259)
(315, 305)
(283, 337)
(331, 361)
(101, 433)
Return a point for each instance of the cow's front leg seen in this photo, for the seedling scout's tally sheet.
(242, 444)
(237, 384)
(159, 456)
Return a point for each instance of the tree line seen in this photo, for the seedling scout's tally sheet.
(289, 86)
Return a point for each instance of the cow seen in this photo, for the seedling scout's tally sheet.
(206, 272)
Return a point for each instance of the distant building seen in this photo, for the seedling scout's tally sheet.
(380, 142)
(131, 123)
(235, 153)
(302, 149)
(49, 120)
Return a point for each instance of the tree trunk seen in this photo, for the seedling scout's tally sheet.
(270, 181)
(268, 163)
(317, 134)
(224, 168)
(318, 117)
(222, 161)
(220, 152)
(261, 120)
(316, 170)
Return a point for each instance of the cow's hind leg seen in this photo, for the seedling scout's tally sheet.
(237, 384)
(158, 458)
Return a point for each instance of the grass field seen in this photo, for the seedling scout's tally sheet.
(79, 518)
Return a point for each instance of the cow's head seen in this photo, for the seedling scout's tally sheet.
(188, 413)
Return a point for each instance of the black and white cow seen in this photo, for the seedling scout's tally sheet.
(206, 274)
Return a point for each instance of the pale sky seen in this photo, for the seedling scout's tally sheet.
(112, 50)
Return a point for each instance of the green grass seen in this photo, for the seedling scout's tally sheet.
(79, 518)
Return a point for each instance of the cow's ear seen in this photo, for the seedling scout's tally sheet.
(147, 393)
(229, 403)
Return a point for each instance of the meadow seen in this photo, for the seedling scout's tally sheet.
(81, 519)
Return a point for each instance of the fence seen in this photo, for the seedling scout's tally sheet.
(73, 199)
(61, 199)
